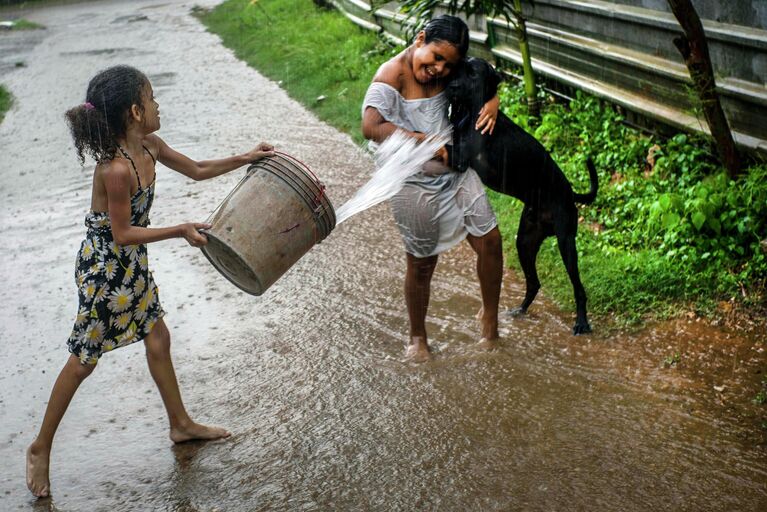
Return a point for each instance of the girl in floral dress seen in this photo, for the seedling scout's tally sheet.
(118, 300)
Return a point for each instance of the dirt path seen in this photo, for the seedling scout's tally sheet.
(309, 376)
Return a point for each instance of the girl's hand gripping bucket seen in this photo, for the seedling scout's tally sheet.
(271, 218)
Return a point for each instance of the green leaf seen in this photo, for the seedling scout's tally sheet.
(670, 219)
(698, 218)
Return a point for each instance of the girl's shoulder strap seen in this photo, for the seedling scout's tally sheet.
(154, 160)
(127, 156)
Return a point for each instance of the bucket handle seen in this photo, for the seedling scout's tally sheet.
(318, 198)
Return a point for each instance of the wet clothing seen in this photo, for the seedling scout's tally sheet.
(433, 213)
(118, 301)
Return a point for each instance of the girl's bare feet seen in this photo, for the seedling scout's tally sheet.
(194, 431)
(418, 350)
(486, 344)
(37, 471)
(489, 325)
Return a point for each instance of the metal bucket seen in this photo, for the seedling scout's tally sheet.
(271, 218)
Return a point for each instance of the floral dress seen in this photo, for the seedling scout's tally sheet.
(118, 301)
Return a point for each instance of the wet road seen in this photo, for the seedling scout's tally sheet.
(310, 377)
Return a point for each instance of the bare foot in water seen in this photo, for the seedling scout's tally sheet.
(486, 344)
(37, 471)
(489, 325)
(194, 431)
(418, 350)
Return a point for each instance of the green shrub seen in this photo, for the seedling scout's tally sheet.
(682, 231)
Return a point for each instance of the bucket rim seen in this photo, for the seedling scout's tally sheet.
(309, 192)
(218, 239)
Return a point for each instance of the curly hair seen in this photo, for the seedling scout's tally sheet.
(102, 119)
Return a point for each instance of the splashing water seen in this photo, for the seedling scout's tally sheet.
(397, 158)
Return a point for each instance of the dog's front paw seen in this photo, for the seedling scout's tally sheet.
(516, 312)
(581, 328)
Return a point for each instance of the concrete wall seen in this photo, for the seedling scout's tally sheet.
(623, 51)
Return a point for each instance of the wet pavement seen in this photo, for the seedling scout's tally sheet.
(309, 377)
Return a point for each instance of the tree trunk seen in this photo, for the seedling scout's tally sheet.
(694, 49)
(533, 106)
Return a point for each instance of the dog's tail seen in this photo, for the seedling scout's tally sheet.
(589, 197)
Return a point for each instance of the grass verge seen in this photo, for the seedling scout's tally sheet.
(318, 56)
(22, 24)
(6, 100)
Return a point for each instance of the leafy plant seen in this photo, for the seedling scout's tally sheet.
(424, 9)
(672, 360)
(678, 231)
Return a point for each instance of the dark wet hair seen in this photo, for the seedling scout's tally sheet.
(102, 119)
(449, 29)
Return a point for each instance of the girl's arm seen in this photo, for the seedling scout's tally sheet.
(378, 129)
(375, 127)
(488, 115)
(117, 181)
(207, 169)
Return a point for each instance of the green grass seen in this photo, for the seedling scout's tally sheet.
(650, 258)
(22, 24)
(627, 286)
(6, 100)
(312, 52)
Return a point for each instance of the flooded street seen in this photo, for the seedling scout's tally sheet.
(310, 377)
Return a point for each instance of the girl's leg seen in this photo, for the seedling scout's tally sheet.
(182, 428)
(417, 288)
(38, 453)
(490, 270)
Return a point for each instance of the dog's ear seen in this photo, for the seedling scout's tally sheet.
(491, 82)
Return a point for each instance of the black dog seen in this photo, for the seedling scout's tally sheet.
(512, 162)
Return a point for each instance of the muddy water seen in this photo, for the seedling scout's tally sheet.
(309, 377)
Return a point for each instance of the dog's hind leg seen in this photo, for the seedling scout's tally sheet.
(530, 236)
(565, 232)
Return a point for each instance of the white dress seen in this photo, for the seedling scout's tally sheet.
(433, 213)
